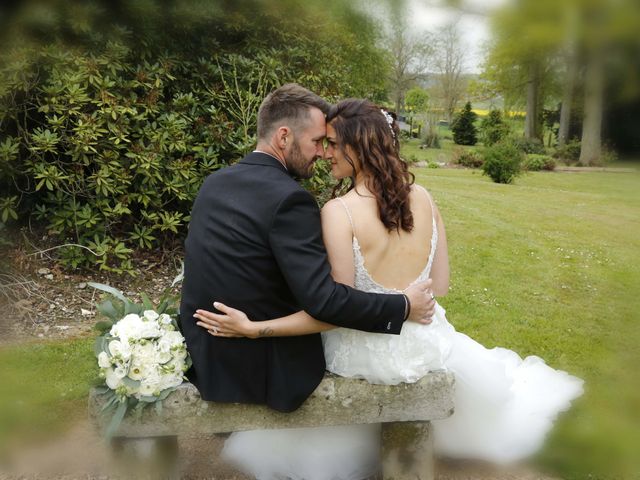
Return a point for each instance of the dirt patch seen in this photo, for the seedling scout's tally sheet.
(41, 301)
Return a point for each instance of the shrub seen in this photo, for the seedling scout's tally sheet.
(467, 158)
(569, 152)
(608, 156)
(502, 162)
(432, 164)
(105, 140)
(493, 129)
(534, 162)
(431, 139)
(529, 145)
(463, 128)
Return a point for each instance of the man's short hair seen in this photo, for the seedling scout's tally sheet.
(289, 103)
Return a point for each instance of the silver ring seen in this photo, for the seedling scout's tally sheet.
(215, 330)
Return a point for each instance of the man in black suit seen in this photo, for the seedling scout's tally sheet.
(255, 243)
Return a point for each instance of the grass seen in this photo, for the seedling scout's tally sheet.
(44, 389)
(547, 266)
(412, 152)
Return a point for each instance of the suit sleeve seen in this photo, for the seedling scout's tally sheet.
(295, 237)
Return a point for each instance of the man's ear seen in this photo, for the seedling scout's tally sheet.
(283, 136)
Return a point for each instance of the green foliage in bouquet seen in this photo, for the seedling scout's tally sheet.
(140, 351)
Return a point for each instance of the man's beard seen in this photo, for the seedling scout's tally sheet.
(297, 165)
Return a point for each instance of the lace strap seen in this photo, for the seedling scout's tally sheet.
(346, 209)
(433, 212)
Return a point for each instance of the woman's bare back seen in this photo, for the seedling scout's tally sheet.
(392, 259)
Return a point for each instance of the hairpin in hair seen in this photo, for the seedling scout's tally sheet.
(389, 119)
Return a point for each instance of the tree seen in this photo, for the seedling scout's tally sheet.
(417, 100)
(464, 130)
(448, 63)
(408, 55)
(492, 128)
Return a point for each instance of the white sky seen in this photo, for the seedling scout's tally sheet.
(427, 15)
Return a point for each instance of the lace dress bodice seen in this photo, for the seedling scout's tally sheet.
(364, 281)
(384, 358)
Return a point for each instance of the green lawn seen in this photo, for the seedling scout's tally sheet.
(44, 389)
(410, 149)
(546, 266)
(549, 266)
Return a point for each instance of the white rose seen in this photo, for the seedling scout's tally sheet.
(164, 357)
(174, 338)
(119, 348)
(150, 315)
(150, 329)
(165, 319)
(103, 360)
(120, 371)
(145, 354)
(150, 384)
(127, 328)
(112, 380)
(171, 381)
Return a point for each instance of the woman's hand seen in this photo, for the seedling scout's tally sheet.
(231, 323)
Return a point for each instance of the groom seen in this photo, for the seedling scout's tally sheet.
(255, 243)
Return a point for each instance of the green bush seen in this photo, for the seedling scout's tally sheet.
(493, 128)
(431, 139)
(534, 162)
(569, 153)
(529, 145)
(467, 158)
(463, 128)
(502, 162)
(608, 156)
(105, 141)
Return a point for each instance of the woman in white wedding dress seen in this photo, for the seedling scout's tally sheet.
(381, 236)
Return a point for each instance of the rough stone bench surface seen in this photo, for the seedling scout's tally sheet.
(336, 401)
(404, 410)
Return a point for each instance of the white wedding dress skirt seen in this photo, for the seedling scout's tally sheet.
(504, 405)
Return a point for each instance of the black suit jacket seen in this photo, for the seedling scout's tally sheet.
(255, 243)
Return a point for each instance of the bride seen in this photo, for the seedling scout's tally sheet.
(384, 234)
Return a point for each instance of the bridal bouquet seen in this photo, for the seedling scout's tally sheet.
(141, 353)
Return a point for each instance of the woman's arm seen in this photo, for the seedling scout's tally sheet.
(234, 323)
(338, 239)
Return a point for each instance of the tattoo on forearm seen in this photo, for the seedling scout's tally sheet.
(265, 332)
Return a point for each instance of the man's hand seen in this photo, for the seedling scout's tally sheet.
(423, 303)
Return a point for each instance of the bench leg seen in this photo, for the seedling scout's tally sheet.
(407, 451)
(147, 457)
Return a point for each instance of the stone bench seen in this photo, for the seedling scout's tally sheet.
(404, 410)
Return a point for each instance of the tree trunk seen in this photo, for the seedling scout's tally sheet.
(399, 102)
(531, 122)
(567, 100)
(570, 80)
(591, 145)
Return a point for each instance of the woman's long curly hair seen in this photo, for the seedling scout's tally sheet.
(364, 127)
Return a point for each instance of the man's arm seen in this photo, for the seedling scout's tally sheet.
(295, 237)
